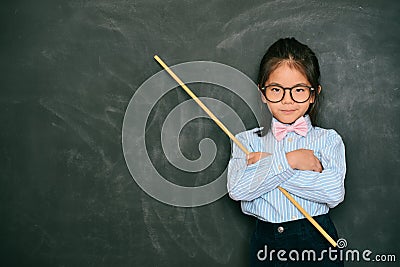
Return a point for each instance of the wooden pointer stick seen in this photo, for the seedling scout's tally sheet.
(237, 142)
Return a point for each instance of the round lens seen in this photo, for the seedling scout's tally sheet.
(300, 93)
(274, 93)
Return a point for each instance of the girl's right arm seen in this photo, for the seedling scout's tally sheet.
(249, 181)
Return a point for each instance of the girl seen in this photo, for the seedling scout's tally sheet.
(307, 161)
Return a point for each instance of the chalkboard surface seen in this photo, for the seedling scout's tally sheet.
(68, 71)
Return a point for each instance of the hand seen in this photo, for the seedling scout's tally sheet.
(253, 157)
(304, 159)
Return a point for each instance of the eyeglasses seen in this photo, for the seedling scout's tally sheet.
(298, 93)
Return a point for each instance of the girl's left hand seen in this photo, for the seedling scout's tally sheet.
(253, 157)
(304, 159)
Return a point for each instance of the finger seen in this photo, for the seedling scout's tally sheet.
(319, 167)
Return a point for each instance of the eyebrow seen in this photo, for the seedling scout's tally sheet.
(280, 85)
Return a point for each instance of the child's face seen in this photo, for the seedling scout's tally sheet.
(287, 111)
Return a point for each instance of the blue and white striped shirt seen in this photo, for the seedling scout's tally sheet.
(256, 185)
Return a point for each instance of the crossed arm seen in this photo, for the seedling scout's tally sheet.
(300, 172)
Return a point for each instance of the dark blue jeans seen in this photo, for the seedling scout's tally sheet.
(295, 243)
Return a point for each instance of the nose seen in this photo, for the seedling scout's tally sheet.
(287, 99)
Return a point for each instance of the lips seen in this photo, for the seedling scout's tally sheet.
(288, 111)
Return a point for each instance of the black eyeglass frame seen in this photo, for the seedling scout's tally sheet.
(264, 88)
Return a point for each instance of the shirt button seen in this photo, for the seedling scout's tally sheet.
(280, 167)
(294, 217)
(290, 139)
(280, 229)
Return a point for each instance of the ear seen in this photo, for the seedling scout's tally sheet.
(319, 89)
(263, 99)
(318, 92)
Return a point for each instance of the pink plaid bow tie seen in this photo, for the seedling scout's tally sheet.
(280, 130)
